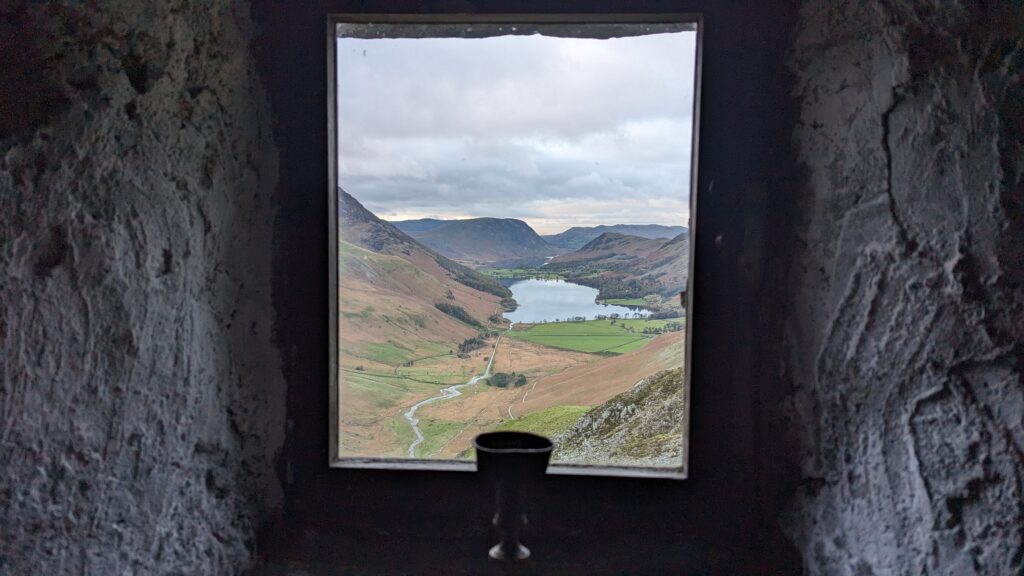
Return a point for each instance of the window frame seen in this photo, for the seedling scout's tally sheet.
(333, 20)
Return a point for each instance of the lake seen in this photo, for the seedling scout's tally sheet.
(548, 300)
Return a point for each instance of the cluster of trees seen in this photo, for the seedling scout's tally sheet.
(613, 287)
(458, 312)
(670, 312)
(509, 304)
(572, 319)
(504, 380)
(669, 327)
(470, 344)
(617, 316)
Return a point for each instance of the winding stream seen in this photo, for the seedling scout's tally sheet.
(446, 394)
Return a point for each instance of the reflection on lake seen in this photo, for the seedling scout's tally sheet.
(550, 300)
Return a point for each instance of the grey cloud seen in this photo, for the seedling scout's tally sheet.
(523, 127)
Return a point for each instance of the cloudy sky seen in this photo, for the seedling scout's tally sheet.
(558, 132)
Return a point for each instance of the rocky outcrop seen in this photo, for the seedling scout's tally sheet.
(640, 427)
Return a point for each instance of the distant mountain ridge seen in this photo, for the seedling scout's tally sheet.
(413, 227)
(482, 241)
(578, 236)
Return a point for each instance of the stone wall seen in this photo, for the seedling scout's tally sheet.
(907, 310)
(141, 404)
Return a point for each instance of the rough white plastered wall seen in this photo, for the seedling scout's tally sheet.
(907, 322)
(141, 405)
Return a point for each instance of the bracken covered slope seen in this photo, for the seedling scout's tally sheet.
(140, 404)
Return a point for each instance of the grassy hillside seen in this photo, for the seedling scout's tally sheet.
(550, 422)
(403, 312)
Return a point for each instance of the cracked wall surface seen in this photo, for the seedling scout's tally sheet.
(141, 404)
(907, 321)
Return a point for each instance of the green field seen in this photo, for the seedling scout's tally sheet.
(436, 433)
(593, 336)
(390, 353)
(431, 373)
(386, 390)
(549, 422)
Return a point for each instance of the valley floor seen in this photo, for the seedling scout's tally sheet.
(570, 367)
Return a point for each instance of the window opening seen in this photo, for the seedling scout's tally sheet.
(511, 240)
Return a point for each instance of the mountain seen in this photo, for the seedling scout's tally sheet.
(361, 227)
(487, 242)
(640, 427)
(669, 265)
(414, 227)
(610, 249)
(576, 237)
(629, 267)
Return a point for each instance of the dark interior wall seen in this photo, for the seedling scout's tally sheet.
(907, 310)
(139, 408)
(724, 517)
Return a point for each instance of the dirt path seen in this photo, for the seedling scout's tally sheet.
(446, 394)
